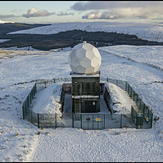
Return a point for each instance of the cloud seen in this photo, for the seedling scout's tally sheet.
(64, 14)
(16, 10)
(7, 16)
(101, 15)
(120, 9)
(103, 5)
(33, 12)
(93, 15)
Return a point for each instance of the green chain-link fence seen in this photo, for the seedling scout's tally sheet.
(141, 113)
(140, 117)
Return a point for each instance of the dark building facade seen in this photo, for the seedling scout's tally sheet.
(85, 93)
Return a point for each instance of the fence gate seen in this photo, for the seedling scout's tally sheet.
(92, 121)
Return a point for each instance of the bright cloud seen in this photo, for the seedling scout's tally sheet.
(93, 15)
(120, 9)
(33, 12)
(100, 15)
(64, 14)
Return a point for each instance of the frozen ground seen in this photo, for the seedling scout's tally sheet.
(147, 31)
(21, 141)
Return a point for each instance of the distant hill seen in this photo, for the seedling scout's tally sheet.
(68, 38)
(11, 27)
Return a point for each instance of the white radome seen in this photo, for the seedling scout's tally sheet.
(84, 59)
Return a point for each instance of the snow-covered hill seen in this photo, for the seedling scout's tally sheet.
(147, 31)
(21, 141)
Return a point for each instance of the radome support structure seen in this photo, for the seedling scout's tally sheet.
(85, 60)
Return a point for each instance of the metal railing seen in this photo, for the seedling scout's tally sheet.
(140, 117)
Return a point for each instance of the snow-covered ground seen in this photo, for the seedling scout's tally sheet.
(121, 102)
(140, 54)
(21, 141)
(23, 48)
(147, 31)
(47, 100)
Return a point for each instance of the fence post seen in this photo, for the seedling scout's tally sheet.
(136, 99)
(45, 84)
(117, 82)
(140, 103)
(35, 89)
(121, 122)
(93, 121)
(73, 120)
(148, 114)
(143, 108)
(104, 121)
(23, 111)
(131, 111)
(25, 104)
(136, 122)
(38, 120)
(151, 119)
(55, 120)
(126, 86)
(54, 80)
(133, 96)
(32, 93)
(81, 120)
(27, 101)
(132, 93)
(31, 97)
(31, 117)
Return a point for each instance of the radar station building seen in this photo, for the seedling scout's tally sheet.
(85, 61)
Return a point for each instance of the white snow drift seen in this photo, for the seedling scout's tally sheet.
(47, 100)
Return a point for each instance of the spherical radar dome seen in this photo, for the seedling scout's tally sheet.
(84, 59)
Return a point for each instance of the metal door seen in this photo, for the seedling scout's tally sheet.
(90, 106)
(92, 121)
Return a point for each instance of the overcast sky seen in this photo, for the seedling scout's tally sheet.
(81, 11)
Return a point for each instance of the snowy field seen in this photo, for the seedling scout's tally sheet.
(21, 141)
(147, 31)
